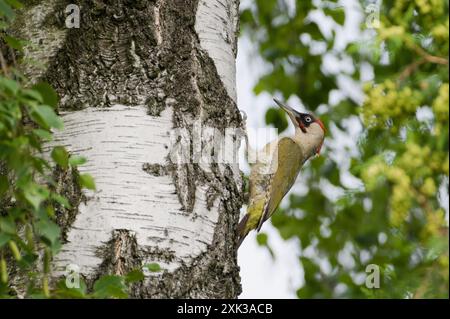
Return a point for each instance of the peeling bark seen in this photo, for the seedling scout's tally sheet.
(135, 72)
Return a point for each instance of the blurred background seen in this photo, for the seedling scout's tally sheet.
(376, 73)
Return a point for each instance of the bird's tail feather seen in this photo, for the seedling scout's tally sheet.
(242, 229)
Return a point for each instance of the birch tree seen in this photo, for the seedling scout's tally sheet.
(147, 94)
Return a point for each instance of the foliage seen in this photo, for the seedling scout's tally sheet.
(29, 233)
(394, 217)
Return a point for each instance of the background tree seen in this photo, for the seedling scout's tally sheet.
(136, 83)
(392, 216)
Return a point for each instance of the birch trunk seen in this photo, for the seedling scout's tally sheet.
(138, 83)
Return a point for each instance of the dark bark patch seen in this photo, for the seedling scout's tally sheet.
(120, 254)
(67, 185)
(156, 254)
(155, 169)
(110, 59)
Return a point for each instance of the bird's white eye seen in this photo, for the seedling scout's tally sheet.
(308, 119)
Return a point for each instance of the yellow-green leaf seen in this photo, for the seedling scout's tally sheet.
(87, 181)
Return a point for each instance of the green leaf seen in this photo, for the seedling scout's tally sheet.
(61, 200)
(60, 156)
(28, 259)
(7, 225)
(49, 95)
(10, 85)
(87, 181)
(246, 17)
(64, 292)
(34, 95)
(4, 239)
(110, 286)
(261, 238)
(43, 134)
(35, 195)
(4, 184)
(49, 230)
(134, 276)
(436, 246)
(6, 10)
(153, 267)
(77, 160)
(337, 14)
(15, 4)
(46, 117)
(276, 118)
(13, 42)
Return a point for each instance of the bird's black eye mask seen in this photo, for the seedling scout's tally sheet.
(304, 120)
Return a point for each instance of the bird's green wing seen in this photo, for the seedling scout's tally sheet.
(288, 163)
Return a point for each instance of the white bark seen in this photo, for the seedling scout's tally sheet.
(44, 41)
(118, 141)
(216, 26)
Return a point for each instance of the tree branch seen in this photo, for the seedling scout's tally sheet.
(425, 58)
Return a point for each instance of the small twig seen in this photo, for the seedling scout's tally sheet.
(425, 57)
(13, 55)
(410, 69)
(436, 59)
(428, 57)
(3, 63)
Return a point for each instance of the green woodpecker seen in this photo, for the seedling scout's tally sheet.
(277, 166)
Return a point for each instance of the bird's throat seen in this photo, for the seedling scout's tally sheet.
(311, 141)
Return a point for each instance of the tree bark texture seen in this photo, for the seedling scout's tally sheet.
(134, 75)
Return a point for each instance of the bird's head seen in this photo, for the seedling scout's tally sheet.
(307, 123)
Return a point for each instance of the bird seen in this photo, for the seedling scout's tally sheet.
(277, 166)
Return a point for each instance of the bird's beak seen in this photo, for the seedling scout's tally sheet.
(292, 114)
(289, 110)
